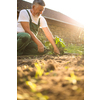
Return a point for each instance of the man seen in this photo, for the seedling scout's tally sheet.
(29, 21)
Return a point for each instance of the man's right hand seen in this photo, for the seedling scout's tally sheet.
(41, 48)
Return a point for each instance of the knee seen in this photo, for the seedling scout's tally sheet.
(26, 37)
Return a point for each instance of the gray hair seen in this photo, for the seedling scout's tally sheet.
(40, 2)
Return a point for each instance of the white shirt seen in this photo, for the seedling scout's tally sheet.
(24, 17)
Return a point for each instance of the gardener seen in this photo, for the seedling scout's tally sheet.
(29, 21)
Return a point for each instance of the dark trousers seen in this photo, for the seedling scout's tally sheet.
(26, 46)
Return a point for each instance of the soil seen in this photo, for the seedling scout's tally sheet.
(62, 79)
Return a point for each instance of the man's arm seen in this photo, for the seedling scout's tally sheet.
(51, 39)
(26, 27)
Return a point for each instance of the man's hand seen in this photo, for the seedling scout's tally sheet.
(56, 51)
(41, 47)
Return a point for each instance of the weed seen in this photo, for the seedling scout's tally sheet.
(39, 71)
(72, 48)
(73, 79)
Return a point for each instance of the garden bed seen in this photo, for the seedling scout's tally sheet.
(49, 77)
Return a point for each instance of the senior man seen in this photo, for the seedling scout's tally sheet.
(29, 21)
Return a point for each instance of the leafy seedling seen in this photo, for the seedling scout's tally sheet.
(31, 85)
(73, 79)
(66, 67)
(60, 44)
(42, 97)
(39, 71)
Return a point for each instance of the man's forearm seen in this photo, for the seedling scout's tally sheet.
(26, 27)
(51, 39)
(49, 36)
(34, 38)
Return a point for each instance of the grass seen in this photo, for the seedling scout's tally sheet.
(72, 48)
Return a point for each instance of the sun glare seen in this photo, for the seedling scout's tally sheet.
(71, 8)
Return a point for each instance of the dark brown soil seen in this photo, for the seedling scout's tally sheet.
(62, 79)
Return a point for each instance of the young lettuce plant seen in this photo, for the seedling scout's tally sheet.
(60, 44)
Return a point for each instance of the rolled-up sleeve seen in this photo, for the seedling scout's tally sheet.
(43, 22)
(23, 16)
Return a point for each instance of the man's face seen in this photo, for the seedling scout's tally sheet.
(37, 10)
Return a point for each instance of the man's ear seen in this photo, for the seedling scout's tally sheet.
(33, 7)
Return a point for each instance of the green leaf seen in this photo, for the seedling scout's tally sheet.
(66, 67)
(31, 85)
(47, 73)
(39, 71)
(42, 97)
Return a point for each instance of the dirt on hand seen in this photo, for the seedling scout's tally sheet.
(50, 77)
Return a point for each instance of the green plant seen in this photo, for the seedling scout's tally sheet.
(31, 85)
(72, 48)
(73, 78)
(60, 44)
(42, 97)
(38, 95)
(39, 71)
